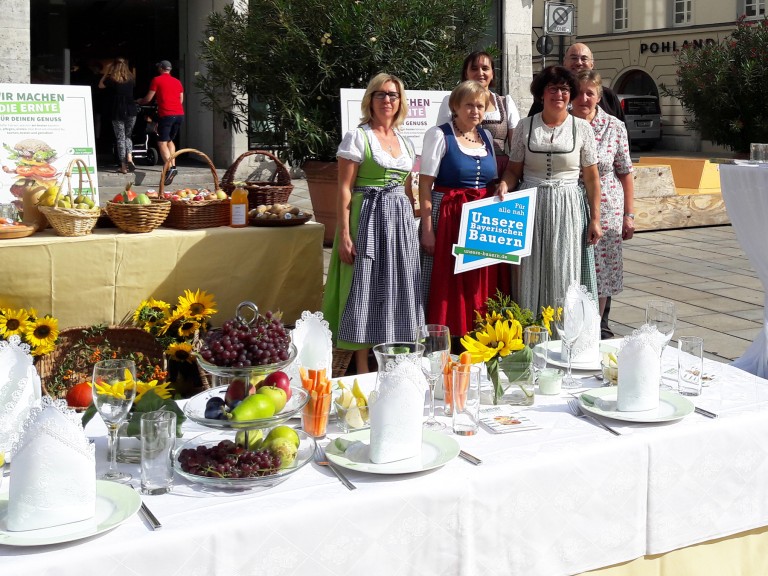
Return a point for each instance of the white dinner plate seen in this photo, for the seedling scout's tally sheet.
(115, 503)
(746, 163)
(672, 407)
(436, 450)
(554, 351)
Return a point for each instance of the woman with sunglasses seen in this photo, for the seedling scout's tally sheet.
(501, 115)
(457, 165)
(372, 294)
(548, 151)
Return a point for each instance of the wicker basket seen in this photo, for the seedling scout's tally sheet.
(196, 214)
(122, 339)
(139, 218)
(72, 221)
(274, 191)
(340, 362)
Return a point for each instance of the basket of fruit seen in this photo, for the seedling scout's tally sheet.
(137, 213)
(267, 182)
(71, 214)
(278, 215)
(193, 209)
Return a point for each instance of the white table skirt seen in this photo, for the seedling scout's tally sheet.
(560, 500)
(745, 191)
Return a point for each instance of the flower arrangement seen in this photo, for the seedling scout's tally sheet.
(177, 328)
(497, 339)
(40, 332)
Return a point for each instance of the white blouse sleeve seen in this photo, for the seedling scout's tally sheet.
(432, 151)
(513, 116)
(517, 145)
(588, 143)
(352, 146)
(444, 114)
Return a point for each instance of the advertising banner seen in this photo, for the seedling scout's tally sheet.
(42, 128)
(493, 231)
(423, 106)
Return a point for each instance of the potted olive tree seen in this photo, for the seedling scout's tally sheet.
(294, 56)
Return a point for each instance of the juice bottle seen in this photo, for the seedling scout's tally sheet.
(239, 206)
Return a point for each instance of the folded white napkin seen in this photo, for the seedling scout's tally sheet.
(53, 480)
(19, 389)
(639, 370)
(314, 344)
(586, 348)
(396, 411)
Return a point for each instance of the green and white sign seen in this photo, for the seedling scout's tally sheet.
(494, 231)
(42, 128)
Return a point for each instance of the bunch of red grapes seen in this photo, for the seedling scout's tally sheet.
(239, 344)
(228, 460)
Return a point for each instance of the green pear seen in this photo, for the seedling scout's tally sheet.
(254, 407)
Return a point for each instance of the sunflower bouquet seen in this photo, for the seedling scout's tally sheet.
(497, 340)
(39, 332)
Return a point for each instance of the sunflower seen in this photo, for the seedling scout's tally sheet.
(196, 304)
(117, 388)
(43, 349)
(547, 315)
(13, 323)
(498, 339)
(181, 352)
(160, 389)
(188, 327)
(150, 313)
(43, 331)
(168, 322)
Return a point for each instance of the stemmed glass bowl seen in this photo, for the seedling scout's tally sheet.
(662, 314)
(436, 339)
(569, 321)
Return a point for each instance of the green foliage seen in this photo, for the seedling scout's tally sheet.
(295, 56)
(723, 86)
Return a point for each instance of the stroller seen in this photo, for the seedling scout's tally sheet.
(144, 136)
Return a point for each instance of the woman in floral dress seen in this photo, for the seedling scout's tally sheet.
(616, 184)
(373, 291)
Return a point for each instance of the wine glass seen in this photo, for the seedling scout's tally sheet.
(661, 313)
(114, 389)
(437, 349)
(569, 320)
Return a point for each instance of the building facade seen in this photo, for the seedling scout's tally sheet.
(634, 46)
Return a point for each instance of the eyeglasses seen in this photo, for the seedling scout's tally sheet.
(378, 95)
(582, 59)
(562, 89)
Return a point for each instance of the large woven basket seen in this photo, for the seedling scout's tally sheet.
(340, 362)
(122, 339)
(139, 218)
(73, 221)
(274, 190)
(190, 215)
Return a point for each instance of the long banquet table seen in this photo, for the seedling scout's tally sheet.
(745, 191)
(563, 499)
(103, 277)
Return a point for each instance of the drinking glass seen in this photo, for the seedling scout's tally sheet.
(437, 349)
(569, 320)
(661, 313)
(690, 365)
(114, 391)
(537, 338)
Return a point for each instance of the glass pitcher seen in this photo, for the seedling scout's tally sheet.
(396, 406)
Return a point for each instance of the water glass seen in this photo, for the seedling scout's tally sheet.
(158, 438)
(550, 381)
(690, 365)
(466, 400)
(315, 414)
(537, 339)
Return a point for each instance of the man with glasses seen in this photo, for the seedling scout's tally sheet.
(577, 58)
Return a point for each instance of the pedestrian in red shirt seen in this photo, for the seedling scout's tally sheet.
(169, 96)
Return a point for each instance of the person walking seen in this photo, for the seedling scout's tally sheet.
(169, 94)
(118, 80)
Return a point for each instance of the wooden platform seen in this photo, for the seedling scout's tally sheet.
(677, 193)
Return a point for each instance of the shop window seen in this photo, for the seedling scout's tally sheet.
(620, 15)
(682, 15)
(754, 8)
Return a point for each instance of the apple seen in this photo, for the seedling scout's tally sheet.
(141, 199)
(277, 395)
(197, 197)
(237, 390)
(278, 379)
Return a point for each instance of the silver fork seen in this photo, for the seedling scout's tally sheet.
(322, 460)
(575, 408)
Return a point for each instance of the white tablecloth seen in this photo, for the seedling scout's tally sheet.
(560, 500)
(745, 191)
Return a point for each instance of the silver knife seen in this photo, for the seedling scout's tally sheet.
(154, 523)
(703, 412)
(602, 425)
(469, 458)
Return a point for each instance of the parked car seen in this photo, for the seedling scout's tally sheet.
(643, 119)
